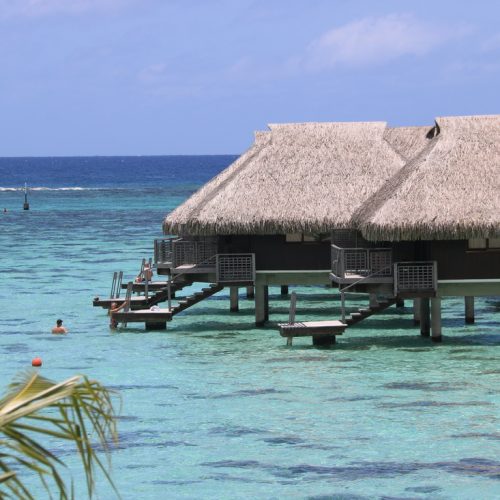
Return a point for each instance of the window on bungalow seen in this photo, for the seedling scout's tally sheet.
(294, 238)
(494, 243)
(484, 243)
(477, 244)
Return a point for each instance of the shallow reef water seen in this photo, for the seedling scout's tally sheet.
(216, 408)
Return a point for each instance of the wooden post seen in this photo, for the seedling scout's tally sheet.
(400, 303)
(373, 300)
(156, 325)
(128, 297)
(293, 308)
(436, 319)
(424, 317)
(169, 292)
(469, 310)
(266, 303)
(284, 289)
(324, 340)
(260, 304)
(233, 299)
(250, 292)
(416, 311)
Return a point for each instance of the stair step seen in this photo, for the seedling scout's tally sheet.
(356, 315)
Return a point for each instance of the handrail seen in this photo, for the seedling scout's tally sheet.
(360, 260)
(116, 285)
(343, 290)
(366, 277)
(190, 251)
(159, 243)
(170, 280)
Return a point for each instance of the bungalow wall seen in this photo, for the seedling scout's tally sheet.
(273, 252)
(455, 260)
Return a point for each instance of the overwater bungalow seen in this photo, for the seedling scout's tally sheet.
(396, 213)
(442, 209)
(268, 219)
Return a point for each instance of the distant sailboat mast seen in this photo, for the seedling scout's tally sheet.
(26, 205)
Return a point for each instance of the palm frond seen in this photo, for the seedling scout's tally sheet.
(78, 409)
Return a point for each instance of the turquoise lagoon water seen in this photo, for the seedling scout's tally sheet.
(214, 407)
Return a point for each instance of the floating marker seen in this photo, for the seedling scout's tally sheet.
(26, 205)
(36, 361)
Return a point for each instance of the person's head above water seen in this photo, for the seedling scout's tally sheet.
(59, 322)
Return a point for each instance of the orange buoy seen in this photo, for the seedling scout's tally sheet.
(36, 362)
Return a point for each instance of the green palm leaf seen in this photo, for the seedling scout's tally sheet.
(78, 410)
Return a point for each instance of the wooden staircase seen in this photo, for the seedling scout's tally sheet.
(196, 297)
(365, 312)
(156, 318)
(162, 295)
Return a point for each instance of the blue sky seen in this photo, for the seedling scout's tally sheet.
(127, 77)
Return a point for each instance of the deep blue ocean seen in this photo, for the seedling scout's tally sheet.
(214, 407)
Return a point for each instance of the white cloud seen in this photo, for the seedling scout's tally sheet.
(160, 80)
(491, 44)
(155, 73)
(376, 40)
(35, 8)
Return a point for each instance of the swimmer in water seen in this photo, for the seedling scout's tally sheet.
(113, 309)
(59, 329)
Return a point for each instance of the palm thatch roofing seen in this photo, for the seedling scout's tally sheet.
(408, 141)
(308, 177)
(451, 190)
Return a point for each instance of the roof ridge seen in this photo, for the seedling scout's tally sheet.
(372, 204)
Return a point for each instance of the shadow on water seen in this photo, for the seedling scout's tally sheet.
(408, 342)
(409, 337)
(194, 328)
(476, 466)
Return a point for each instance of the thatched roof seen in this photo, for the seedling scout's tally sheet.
(451, 190)
(408, 141)
(308, 177)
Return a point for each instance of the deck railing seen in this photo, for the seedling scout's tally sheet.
(415, 277)
(235, 268)
(163, 250)
(191, 252)
(361, 261)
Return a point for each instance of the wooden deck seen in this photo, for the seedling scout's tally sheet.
(144, 316)
(193, 269)
(353, 278)
(153, 286)
(322, 332)
(135, 302)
